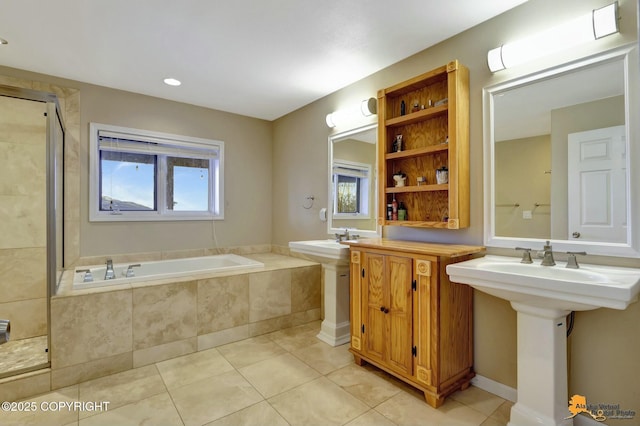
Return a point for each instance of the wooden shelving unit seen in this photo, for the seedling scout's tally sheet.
(433, 136)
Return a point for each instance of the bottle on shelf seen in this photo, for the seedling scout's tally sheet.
(394, 208)
(402, 212)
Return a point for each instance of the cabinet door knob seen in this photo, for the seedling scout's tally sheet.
(386, 311)
(381, 308)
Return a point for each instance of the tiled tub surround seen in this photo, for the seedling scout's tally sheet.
(153, 271)
(104, 330)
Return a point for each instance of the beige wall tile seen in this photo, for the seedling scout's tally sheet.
(163, 314)
(90, 327)
(267, 326)
(305, 288)
(28, 317)
(269, 295)
(23, 273)
(162, 352)
(22, 121)
(23, 168)
(211, 340)
(223, 303)
(90, 370)
(25, 385)
(30, 229)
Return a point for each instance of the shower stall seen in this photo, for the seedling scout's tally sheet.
(31, 224)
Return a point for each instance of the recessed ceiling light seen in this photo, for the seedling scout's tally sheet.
(3, 41)
(172, 82)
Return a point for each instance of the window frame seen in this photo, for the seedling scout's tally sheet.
(364, 181)
(189, 147)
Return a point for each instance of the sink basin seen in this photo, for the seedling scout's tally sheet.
(553, 287)
(323, 251)
(542, 297)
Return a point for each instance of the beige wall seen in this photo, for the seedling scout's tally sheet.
(248, 150)
(299, 167)
(520, 177)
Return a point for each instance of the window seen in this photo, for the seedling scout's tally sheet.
(350, 189)
(141, 175)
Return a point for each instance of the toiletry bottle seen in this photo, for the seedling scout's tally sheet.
(402, 211)
(403, 108)
(394, 209)
(389, 211)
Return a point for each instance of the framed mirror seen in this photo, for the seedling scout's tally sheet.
(561, 157)
(352, 182)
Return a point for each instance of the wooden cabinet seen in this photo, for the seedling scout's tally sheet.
(431, 113)
(407, 318)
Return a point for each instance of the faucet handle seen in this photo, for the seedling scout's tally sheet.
(130, 272)
(572, 261)
(526, 254)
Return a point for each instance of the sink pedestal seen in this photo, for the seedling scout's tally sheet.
(335, 325)
(542, 367)
(543, 297)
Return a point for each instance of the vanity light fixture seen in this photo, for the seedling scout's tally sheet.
(367, 108)
(3, 41)
(592, 26)
(329, 120)
(172, 82)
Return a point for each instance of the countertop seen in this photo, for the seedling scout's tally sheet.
(433, 249)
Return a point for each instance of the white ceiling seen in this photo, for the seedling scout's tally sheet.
(260, 58)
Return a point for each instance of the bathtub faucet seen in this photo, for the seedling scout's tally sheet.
(130, 272)
(109, 274)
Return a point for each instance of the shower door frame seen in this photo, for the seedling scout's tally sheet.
(53, 274)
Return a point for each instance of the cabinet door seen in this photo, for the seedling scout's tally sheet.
(374, 299)
(399, 313)
(426, 280)
(355, 302)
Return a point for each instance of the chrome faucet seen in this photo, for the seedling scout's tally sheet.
(130, 272)
(109, 274)
(526, 254)
(342, 237)
(572, 262)
(547, 256)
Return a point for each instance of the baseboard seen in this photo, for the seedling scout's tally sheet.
(496, 388)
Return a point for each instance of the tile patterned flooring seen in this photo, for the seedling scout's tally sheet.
(288, 377)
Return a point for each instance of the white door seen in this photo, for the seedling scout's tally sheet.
(597, 185)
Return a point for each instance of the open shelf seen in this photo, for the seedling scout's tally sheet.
(432, 138)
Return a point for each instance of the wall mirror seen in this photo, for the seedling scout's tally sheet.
(352, 182)
(558, 156)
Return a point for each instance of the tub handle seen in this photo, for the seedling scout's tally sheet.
(88, 277)
(130, 272)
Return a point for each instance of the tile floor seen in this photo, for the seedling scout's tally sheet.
(288, 377)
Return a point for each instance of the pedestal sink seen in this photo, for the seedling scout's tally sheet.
(334, 258)
(543, 296)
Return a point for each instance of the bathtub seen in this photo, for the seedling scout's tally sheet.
(162, 269)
